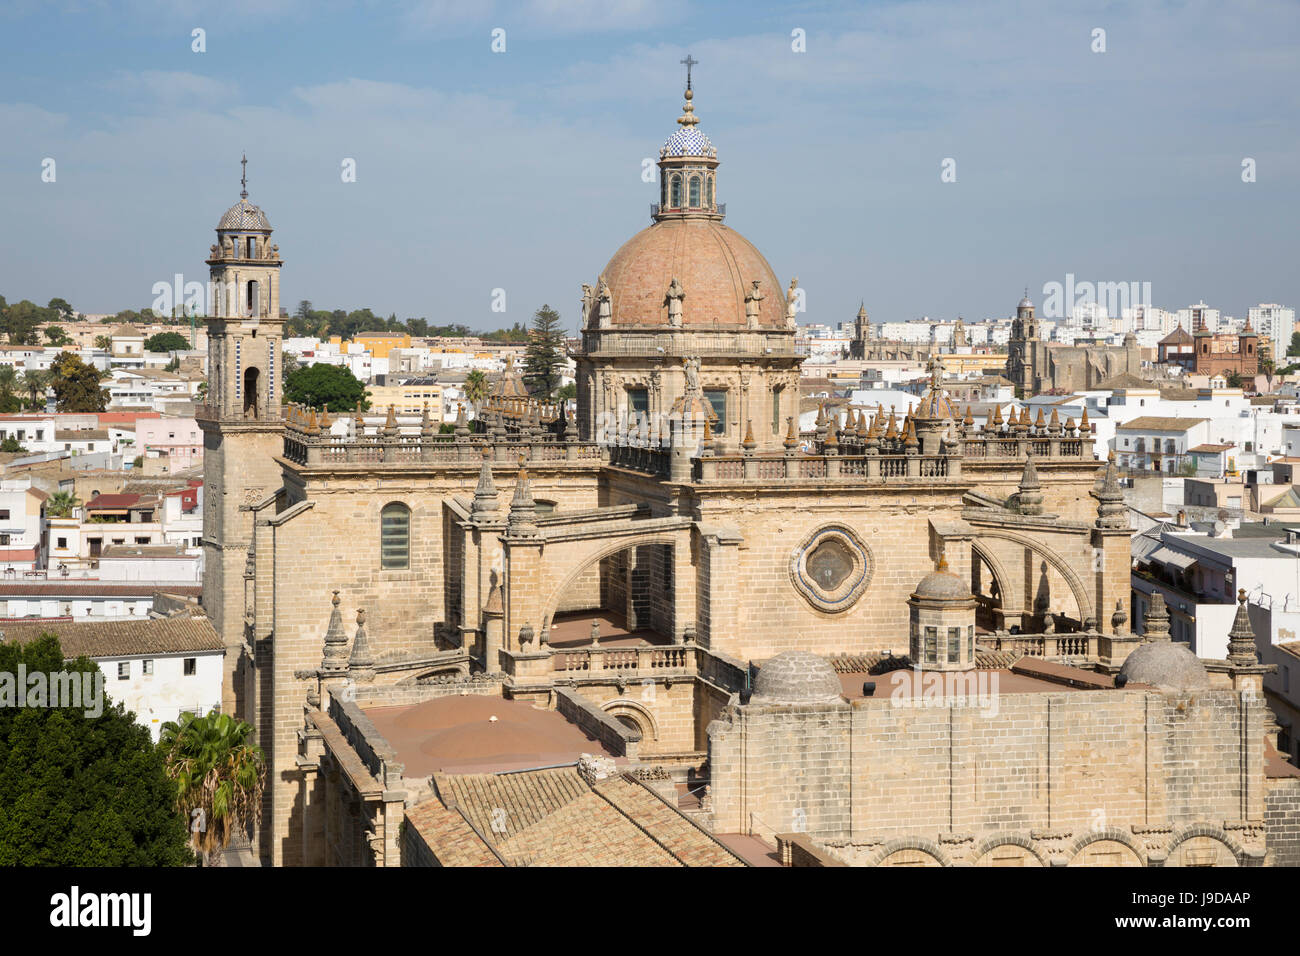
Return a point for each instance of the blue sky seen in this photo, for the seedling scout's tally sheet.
(522, 170)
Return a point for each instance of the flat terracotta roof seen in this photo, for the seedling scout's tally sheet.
(456, 735)
(990, 682)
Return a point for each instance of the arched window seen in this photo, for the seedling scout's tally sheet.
(254, 306)
(251, 408)
(395, 536)
(710, 202)
(676, 193)
(695, 191)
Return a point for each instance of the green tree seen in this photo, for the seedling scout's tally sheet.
(81, 790)
(476, 387)
(104, 342)
(22, 320)
(8, 386)
(515, 335)
(61, 504)
(1234, 380)
(12, 445)
(544, 357)
(332, 386)
(567, 393)
(34, 383)
(57, 335)
(65, 312)
(166, 342)
(1295, 344)
(219, 775)
(289, 362)
(76, 385)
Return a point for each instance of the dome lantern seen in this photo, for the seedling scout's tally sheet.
(688, 165)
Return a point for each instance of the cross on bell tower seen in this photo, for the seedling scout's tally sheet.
(243, 178)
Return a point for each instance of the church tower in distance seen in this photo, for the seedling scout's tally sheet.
(241, 424)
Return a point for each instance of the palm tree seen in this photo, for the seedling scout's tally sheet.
(219, 777)
(35, 382)
(61, 503)
(8, 385)
(104, 342)
(476, 387)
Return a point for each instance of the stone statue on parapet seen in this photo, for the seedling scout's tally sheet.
(674, 299)
(752, 298)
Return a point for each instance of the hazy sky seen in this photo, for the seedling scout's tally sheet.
(521, 170)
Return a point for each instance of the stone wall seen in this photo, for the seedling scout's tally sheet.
(1282, 821)
(1054, 767)
(595, 723)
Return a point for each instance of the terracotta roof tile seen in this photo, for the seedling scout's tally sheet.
(167, 635)
(555, 818)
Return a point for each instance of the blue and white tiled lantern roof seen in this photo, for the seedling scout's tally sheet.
(688, 141)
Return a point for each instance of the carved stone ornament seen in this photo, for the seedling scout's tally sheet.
(832, 568)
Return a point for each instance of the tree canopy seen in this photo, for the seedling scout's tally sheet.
(166, 342)
(331, 386)
(76, 385)
(79, 790)
(219, 775)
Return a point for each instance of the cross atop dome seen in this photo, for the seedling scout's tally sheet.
(688, 117)
(243, 178)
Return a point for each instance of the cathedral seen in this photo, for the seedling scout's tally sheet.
(673, 590)
(1036, 366)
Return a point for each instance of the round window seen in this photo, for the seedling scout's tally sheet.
(831, 568)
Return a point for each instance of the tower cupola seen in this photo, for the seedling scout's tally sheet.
(688, 164)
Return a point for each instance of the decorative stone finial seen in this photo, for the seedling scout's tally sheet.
(1119, 618)
(522, 520)
(1111, 512)
(336, 641)
(1031, 494)
(361, 663)
(1242, 649)
(595, 632)
(1155, 627)
(485, 495)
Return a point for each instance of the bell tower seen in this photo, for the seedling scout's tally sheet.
(241, 424)
(245, 329)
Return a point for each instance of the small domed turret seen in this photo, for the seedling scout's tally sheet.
(797, 677)
(942, 621)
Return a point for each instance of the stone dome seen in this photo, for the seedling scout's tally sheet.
(797, 677)
(942, 585)
(715, 265)
(1025, 303)
(243, 216)
(1168, 665)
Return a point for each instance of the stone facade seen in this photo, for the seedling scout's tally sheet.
(1043, 779)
